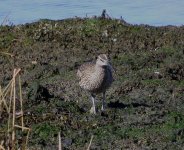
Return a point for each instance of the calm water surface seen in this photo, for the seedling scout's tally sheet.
(152, 12)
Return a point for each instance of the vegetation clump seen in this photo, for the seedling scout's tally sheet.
(145, 103)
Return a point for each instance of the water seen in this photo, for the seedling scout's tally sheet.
(152, 12)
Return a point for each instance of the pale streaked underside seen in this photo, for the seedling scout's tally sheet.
(95, 78)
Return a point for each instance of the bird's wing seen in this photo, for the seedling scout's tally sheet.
(85, 68)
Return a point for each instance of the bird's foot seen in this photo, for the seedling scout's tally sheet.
(93, 110)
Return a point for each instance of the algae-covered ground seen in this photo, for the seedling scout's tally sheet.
(145, 105)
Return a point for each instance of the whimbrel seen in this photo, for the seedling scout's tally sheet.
(96, 77)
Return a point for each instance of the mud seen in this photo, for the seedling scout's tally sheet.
(144, 105)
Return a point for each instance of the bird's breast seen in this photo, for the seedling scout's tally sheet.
(98, 81)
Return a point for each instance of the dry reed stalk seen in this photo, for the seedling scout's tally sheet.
(27, 137)
(9, 92)
(10, 89)
(13, 118)
(6, 53)
(2, 148)
(90, 142)
(10, 105)
(5, 92)
(24, 128)
(21, 103)
(20, 127)
(2, 100)
(59, 137)
(7, 89)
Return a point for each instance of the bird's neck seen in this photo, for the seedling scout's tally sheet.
(99, 69)
(98, 73)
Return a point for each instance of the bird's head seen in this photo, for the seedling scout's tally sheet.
(102, 60)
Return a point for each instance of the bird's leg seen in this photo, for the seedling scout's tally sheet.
(103, 102)
(93, 108)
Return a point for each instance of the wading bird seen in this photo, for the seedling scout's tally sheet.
(96, 77)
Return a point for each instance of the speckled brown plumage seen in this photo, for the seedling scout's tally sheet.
(96, 77)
